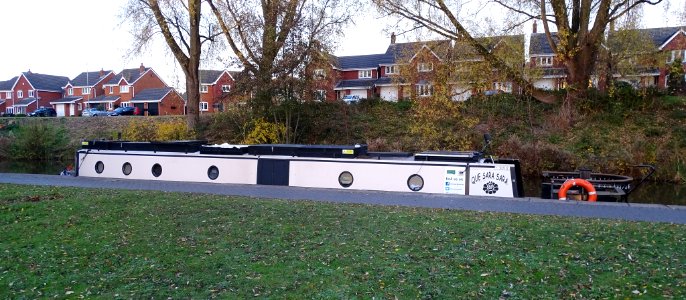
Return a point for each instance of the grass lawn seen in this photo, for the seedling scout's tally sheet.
(71, 242)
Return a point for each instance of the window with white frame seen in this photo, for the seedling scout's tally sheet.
(503, 86)
(204, 88)
(424, 90)
(79, 106)
(425, 67)
(126, 104)
(8, 95)
(319, 73)
(70, 91)
(676, 54)
(111, 90)
(30, 93)
(226, 88)
(545, 61)
(20, 94)
(392, 69)
(110, 105)
(124, 89)
(364, 74)
(320, 95)
(85, 91)
(204, 106)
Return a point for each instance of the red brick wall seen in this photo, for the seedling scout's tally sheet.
(214, 92)
(172, 104)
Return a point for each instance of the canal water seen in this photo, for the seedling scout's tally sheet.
(649, 192)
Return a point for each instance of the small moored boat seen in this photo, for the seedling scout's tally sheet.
(607, 187)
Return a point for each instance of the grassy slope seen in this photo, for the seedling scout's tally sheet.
(69, 241)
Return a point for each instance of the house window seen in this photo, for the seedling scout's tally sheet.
(70, 91)
(424, 90)
(391, 69)
(109, 105)
(125, 104)
(503, 86)
(203, 106)
(85, 91)
(425, 67)
(545, 61)
(79, 106)
(319, 73)
(226, 88)
(20, 94)
(8, 95)
(364, 74)
(124, 88)
(676, 54)
(320, 95)
(204, 88)
(30, 93)
(111, 90)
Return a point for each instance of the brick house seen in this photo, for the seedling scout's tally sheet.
(6, 96)
(158, 101)
(83, 89)
(546, 71)
(32, 91)
(215, 86)
(124, 86)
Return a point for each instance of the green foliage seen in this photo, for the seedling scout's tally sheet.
(38, 141)
(675, 80)
(150, 129)
(174, 130)
(264, 132)
(73, 243)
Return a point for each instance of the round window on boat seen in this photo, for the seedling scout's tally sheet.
(99, 167)
(415, 182)
(345, 179)
(156, 170)
(126, 169)
(213, 172)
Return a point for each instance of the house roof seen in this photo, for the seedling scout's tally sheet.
(130, 75)
(151, 95)
(8, 84)
(45, 82)
(89, 78)
(210, 76)
(66, 100)
(25, 102)
(538, 44)
(104, 99)
(406, 51)
(369, 61)
(661, 35)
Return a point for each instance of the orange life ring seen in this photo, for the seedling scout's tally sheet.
(592, 195)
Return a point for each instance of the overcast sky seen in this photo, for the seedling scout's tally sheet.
(72, 36)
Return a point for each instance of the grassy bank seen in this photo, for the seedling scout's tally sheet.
(60, 242)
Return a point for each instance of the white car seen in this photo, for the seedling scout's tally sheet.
(351, 99)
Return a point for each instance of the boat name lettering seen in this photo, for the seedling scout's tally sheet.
(489, 175)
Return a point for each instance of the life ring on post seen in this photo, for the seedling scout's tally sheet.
(592, 195)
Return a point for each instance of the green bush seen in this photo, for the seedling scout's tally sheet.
(37, 141)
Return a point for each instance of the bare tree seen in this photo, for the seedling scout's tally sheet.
(180, 24)
(274, 39)
(580, 25)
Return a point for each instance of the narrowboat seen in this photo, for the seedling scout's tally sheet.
(350, 167)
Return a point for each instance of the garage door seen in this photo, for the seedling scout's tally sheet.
(60, 110)
(389, 93)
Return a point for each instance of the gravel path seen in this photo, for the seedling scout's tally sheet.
(622, 211)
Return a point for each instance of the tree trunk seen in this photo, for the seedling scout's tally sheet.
(192, 98)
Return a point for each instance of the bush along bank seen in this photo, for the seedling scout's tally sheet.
(610, 133)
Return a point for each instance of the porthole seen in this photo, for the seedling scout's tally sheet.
(213, 172)
(415, 182)
(156, 170)
(99, 167)
(126, 169)
(345, 179)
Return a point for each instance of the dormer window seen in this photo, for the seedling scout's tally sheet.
(30, 93)
(85, 91)
(391, 69)
(226, 88)
(364, 74)
(70, 91)
(124, 88)
(204, 88)
(111, 90)
(319, 73)
(425, 67)
(545, 61)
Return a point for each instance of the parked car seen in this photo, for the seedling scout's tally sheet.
(349, 99)
(122, 111)
(93, 112)
(44, 112)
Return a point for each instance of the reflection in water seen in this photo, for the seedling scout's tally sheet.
(648, 192)
(34, 167)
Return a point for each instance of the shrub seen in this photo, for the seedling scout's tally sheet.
(174, 130)
(264, 132)
(146, 129)
(39, 142)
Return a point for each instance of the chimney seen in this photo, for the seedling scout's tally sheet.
(102, 72)
(393, 38)
(535, 27)
(142, 68)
